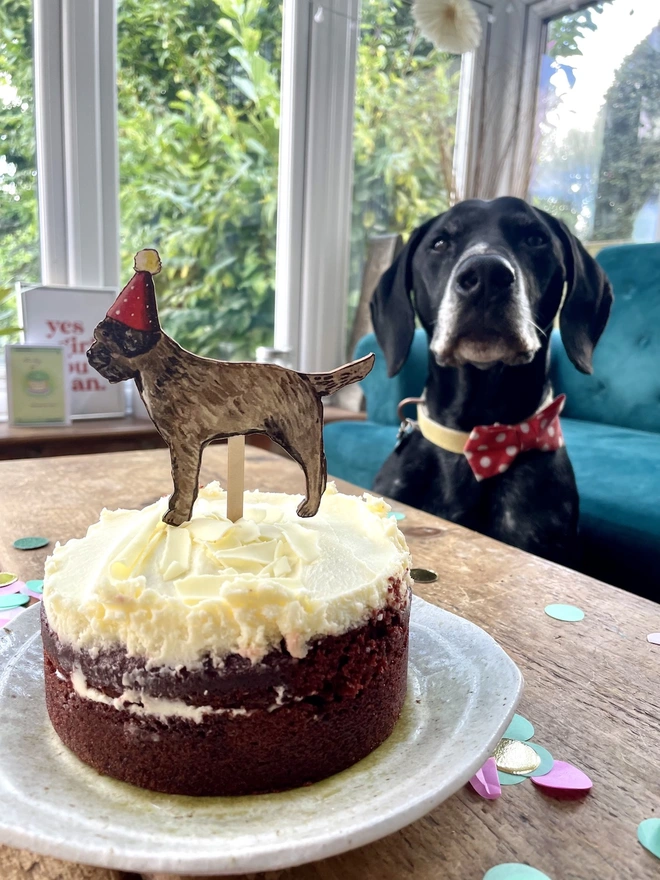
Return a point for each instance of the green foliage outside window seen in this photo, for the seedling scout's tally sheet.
(199, 127)
(629, 175)
(565, 31)
(563, 41)
(19, 241)
(613, 169)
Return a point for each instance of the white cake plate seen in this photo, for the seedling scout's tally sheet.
(463, 690)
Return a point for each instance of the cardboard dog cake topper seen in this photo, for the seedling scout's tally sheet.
(194, 400)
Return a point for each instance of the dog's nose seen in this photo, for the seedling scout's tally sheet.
(484, 273)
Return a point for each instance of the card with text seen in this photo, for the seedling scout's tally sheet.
(67, 317)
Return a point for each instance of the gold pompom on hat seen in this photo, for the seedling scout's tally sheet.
(147, 260)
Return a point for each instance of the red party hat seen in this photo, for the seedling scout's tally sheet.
(135, 306)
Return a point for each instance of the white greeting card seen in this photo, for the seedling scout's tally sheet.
(67, 316)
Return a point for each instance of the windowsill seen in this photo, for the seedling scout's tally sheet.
(108, 435)
(82, 437)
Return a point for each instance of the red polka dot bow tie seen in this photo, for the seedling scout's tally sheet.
(491, 449)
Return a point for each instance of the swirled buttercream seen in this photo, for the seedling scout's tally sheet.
(212, 587)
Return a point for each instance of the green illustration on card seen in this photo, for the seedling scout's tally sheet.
(39, 382)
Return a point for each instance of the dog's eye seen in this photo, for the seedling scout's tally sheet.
(440, 245)
(534, 240)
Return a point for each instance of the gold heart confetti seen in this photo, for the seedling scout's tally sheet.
(516, 757)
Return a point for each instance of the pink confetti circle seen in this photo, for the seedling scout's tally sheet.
(10, 589)
(26, 591)
(564, 777)
(486, 781)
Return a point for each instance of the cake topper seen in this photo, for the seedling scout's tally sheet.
(194, 400)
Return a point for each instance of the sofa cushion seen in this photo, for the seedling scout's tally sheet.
(618, 477)
(624, 389)
(383, 394)
(617, 469)
(357, 450)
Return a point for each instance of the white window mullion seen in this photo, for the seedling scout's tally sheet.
(109, 135)
(296, 17)
(465, 123)
(470, 114)
(329, 175)
(82, 138)
(316, 166)
(50, 141)
(523, 154)
(75, 98)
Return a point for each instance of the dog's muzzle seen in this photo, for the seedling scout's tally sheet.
(102, 361)
(485, 316)
(98, 356)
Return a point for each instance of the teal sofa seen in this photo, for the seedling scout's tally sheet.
(611, 424)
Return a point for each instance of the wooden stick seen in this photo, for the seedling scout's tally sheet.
(235, 477)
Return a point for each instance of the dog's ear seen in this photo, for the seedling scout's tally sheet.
(392, 312)
(588, 298)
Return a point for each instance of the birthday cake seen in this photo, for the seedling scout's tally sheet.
(228, 658)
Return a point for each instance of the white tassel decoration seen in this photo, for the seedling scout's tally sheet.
(451, 25)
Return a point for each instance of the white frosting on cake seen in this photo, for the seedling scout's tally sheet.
(212, 587)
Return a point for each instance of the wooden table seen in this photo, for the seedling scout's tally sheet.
(591, 687)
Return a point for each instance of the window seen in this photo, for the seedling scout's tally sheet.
(199, 107)
(19, 236)
(598, 150)
(406, 100)
(196, 171)
(198, 159)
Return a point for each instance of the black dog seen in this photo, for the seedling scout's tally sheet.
(488, 279)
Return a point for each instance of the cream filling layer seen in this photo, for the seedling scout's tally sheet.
(139, 703)
(213, 587)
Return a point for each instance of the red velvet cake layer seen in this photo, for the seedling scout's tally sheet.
(282, 723)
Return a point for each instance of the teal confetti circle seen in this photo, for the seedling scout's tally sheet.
(30, 543)
(520, 729)
(514, 871)
(547, 761)
(568, 613)
(13, 601)
(396, 514)
(35, 586)
(509, 778)
(648, 834)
